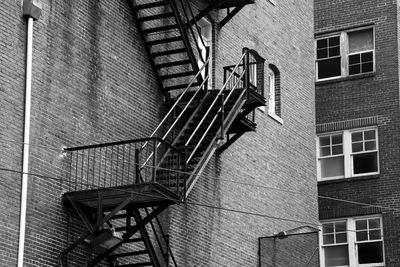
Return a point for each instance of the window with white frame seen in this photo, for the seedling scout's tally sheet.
(346, 53)
(348, 153)
(352, 242)
(274, 101)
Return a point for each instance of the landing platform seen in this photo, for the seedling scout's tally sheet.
(233, 3)
(141, 195)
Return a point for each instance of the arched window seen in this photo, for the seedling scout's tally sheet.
(274, 102)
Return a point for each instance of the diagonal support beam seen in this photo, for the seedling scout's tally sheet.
(146, 238)
(230, 15)
(128, 234)
(81, 215)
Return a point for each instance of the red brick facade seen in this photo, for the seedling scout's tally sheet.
(362, 101)
(93, 83)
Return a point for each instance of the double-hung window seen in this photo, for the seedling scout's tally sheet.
(352, 242)
(348, 153)
(344, 54)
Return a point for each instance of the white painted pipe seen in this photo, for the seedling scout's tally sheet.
(25, 156)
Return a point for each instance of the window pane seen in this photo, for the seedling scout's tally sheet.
(336, 150)
(341, 238)
(325, 141)
(371, 252)
(365, 163)
(327, 228)
(362, 236)
(375, 235)
(329, 68)
(331, 167)
(337, 139)
(322, 53)
(361, 224)
(358, 136)
(367, 57)
(322, 43)
(374, 223)
(367, 67)
(361, 40)
(329, 239)
(325, 151)
(371, 145)
(357, 147)
(354, 59)
(354, 69)
(340, 226)
(334, 41)
(334, 51)
(336, 256)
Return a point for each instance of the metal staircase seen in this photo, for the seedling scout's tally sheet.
(118, 190)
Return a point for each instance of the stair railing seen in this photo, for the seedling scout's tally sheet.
(173, 108)
(232, 80)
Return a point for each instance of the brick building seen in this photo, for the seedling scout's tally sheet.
(104, 74)
(357, 117)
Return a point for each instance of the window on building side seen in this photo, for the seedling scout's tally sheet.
(348, 153)
(344, 54)
(274, 102)
(352, 242)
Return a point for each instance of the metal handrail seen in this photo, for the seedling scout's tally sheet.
(173, 108)
(215, 100)
(214, 119)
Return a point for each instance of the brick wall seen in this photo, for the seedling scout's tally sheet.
(92, 83)
(351, 99)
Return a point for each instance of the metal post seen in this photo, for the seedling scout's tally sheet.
(153, 171)
(137, 166)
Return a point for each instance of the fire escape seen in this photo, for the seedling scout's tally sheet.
(118, 189)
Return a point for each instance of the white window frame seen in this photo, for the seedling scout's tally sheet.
(271, 98)
(347, 153)
(206, 33)
(344, 52)
(352, 242)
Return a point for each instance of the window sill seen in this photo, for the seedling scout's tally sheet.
(350, 179)
(347, 78)
(275, 117)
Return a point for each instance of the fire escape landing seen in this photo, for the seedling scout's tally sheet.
(118, 189)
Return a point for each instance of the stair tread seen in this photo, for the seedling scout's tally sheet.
(127, 254)
(173, 63)
(160, 29)
(136, 264)
(158, 16)
(165, 40)
(169, 52)
(176, 75)
(151, 5)
(180, 86)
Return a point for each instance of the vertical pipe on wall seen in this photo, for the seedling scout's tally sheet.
(25, 157)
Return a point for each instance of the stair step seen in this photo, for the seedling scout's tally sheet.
(151, 5)
(134, 240)
(180, 86)
(165, 40)
(176, 75)
(127, 254)
(137, 264)
(160, 29)
(169, 52)
(174, 63)
(155, 17)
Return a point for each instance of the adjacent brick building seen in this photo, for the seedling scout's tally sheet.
(357, 116)
(98, 77)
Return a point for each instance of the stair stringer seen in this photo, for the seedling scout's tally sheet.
(209, 152)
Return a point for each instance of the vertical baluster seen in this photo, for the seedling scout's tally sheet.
(112, 165)
(82, 167)
(153, 173)
(94, 167)
(70, 170)
(76, 169)
(88, 168)
(137, 167)
(105, 167)
(178, 176)
(123, 164)
(98, 180)
(129, 162)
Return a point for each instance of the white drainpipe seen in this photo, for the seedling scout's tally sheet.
(31, 11)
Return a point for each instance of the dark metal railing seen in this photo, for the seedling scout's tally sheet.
(123, 163)
(253, 78)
